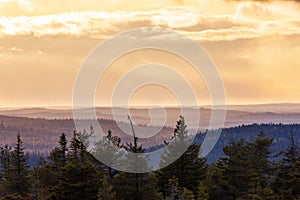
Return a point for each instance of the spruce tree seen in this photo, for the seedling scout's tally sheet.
(5, 157)
(178, 193)
(106, 192)
(189, 168)
(46, 173)
(109, 149)
(76, 148)
(186, 194)
(214, 182)
(202, 193)
(77, 181)
(43, 177)
(234, 170)
(58, 155)
(262, 170)
(246, 171)
(79, 177)
(63, 148)
(135, 186)
(287, 181)
(17, 177)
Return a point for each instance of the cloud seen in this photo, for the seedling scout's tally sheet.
(16, 49)
(253, 10)
(178, 2)
(24, 4)
(251, 20)
(3, 2)
(27, 4)
(275, 11)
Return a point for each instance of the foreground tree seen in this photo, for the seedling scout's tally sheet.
(17, 178)
(189, 169)
(106, 192)
(262, 169)
(46, 172)
(79, 177)
(287, 181)
(109, 149)
(135, 186)
(77, 181)
(246, 169)
(5, 157)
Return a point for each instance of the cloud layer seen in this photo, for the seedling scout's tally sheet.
(255, 46)
(251, 20)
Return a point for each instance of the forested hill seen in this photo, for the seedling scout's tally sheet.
(246, 171)
(280, 132)
(41, 135)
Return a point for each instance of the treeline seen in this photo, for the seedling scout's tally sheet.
(40, 135)
(280, 133)
(246, 171)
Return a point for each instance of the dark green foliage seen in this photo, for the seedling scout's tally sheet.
(234, 170)
(46, 172)
(45, 176)
(16, 173)
(262, 170)
(287, 181)
(79, 176)
(215, 183)
(189, 169)
(63, 148)
(202, 193)
(5, 157)
(246, 171)
(108, 149)
(106, 192)
(178, 193)
(70, 174)
(185, 194)
(135, 186)
(77, 181)
(77, 148)
(58, 155)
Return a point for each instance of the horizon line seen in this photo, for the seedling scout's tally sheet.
(140, 106)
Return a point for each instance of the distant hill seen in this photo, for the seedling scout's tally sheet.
(236, 114)
(275, 107)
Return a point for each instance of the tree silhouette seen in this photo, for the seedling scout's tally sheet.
(17, 178)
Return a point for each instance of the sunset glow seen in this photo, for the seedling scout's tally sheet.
(255, 45)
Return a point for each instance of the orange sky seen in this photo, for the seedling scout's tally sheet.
(255, 45)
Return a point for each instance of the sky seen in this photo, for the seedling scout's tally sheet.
(254, 44)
